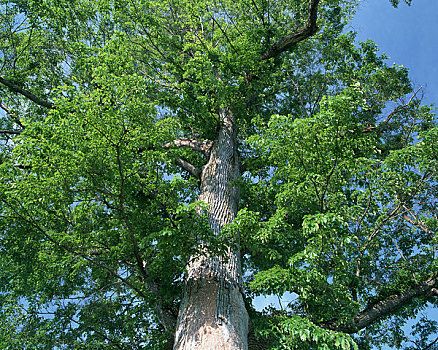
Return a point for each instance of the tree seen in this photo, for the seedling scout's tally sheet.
(164, 162)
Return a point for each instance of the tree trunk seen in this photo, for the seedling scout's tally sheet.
(212, 314)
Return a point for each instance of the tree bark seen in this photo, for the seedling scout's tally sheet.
(212, 314)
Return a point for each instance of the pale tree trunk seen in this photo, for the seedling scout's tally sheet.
(212, 314)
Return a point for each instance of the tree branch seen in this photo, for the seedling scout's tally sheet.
(194, 171)
(397, 110)
(11, 114)
(391, 303)
(190, 142)
(417, 223)
(384, 307)
(22, 167)
(12, 132)
(27, 94)
(299, 35)
(371, 237)
(431, 344)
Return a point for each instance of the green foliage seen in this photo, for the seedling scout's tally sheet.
(395, 3)
(298, 333)
(338, 200)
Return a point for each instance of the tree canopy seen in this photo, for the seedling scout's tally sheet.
(111, 111)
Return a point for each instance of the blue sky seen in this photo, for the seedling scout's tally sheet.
(408, 35)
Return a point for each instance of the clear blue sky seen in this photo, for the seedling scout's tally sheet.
(408, 35)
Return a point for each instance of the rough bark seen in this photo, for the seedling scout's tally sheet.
(202, 146)
(190, 168)
(212, 313)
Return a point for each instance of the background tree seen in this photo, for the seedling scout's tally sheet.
(165, 162)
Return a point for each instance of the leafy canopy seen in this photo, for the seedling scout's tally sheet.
(338, 197)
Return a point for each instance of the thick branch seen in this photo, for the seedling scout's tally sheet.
(294, 38)
(165, 315)
(25, 93)
(11, 132)
(195, 144)
(392, 303)
(384, 307)
(194, 171)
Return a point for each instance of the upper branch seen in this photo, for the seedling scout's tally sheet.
(294, 38)
(11, 115)
(26, 93)
(398, 109)
(385, 307)
(194, 171)
(392, 303)
(11, 132)
(195, 144)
